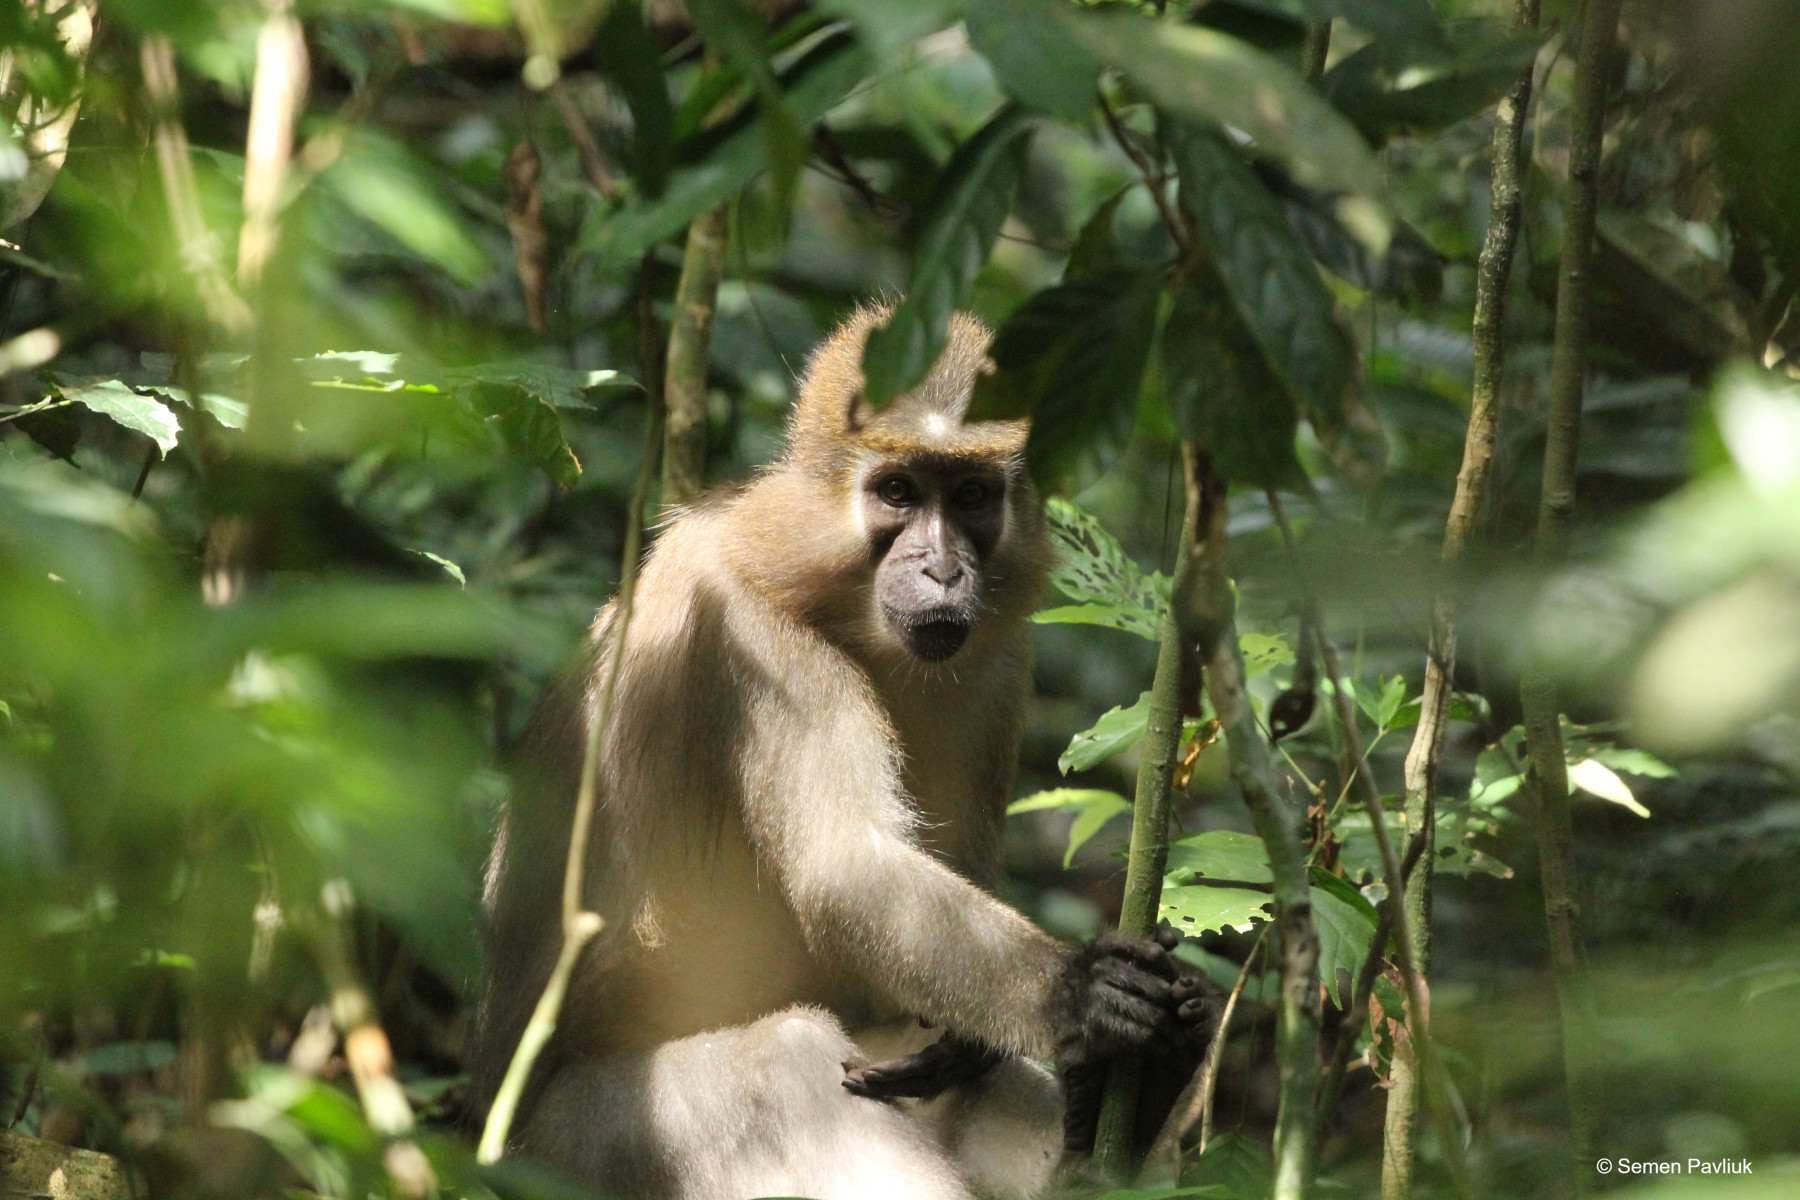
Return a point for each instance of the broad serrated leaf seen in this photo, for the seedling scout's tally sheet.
(1236, 1162)
(1346, 925)
(144, 414)
(1116, 730)
(1204, 76)
(1219, 854)
(1093, 568)
(816, 83)
(632, 61)
(1033, 56)
(964, 218)
(1221, 391)
(1271, 279)
(1072, 358)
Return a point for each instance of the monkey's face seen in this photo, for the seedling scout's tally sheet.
(931, 526)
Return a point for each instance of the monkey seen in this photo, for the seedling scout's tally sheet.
(805, 985)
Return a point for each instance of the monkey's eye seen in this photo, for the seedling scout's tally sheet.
(969, 494)
(898, 491)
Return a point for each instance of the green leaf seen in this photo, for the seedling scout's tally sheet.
(144, 414)
(529, 426)
(1116, 730)
(1636, 762)
(1263, 652)
(633, 62)
(1388, 88)
(1220, 854)
(1272, 280)
(1096, 247)
(1107, 616)
(1221, 391)
(1236, 1162)
(1072, 358)
(451, 569)
(1094, 808)
(813, 86)
(964, 218)
(1346, 924)
(1405, 20)
(1093, 568)
(374, 179)
(891, 29)
(737, 31)
(1194, 909)
(559, 387)
(1204, 76)
(1034, 58)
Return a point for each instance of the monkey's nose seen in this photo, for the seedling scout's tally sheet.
(946, 575)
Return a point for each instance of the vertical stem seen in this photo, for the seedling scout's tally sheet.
(1548, 775)
(1149, 848)
(1281, 825)
(1315, 49)
(579, 925)
(690, 336)
(1492, 272)
(276, 99)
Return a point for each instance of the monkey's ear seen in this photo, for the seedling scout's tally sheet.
(858, 411)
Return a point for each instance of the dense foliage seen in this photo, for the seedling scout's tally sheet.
(330, 333)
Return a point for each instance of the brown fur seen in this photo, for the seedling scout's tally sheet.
(793, 810)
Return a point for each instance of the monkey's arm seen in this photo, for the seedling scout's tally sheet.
(826, 809)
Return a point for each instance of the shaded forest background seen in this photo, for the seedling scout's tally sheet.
(317, 446)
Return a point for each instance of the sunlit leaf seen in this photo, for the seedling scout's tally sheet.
(1117, 729)
(1219, 854)
(145, 414)
(965, 216)
(1093, 568)
(1093, 809)
(1195, 909)
(1595, 777)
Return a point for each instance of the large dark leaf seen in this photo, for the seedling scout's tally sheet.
(1387, 87)
(964, 219)
(632, 61)
(1271, 279)
(1206, 76)
(813, 85)
(1396, 20)
(1034, 57)
(1073, 359)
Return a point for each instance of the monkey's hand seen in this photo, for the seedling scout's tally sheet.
(946, 1063)
(1128, 997)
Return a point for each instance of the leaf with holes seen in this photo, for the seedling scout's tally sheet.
(1195, 909)
(965, 217)
(1093, 568)
(1219, 854)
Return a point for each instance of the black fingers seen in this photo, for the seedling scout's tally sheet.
(946, 1063)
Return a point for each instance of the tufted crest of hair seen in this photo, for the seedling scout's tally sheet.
(833, 423)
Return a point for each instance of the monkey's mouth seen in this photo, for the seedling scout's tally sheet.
(932, 636)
